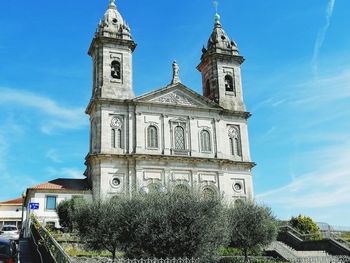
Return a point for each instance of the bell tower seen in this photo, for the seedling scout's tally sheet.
(221, 70)
(111, 51)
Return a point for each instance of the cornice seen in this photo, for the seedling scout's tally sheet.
(101, 101)
(185, 159)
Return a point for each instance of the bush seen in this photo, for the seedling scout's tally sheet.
(306, 226)
(176, 224)
(251, 226)
(65, 211)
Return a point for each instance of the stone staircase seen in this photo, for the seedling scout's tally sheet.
(293, 255)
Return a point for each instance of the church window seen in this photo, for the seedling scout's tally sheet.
(179, 135)
(205, 141)
(152, 137)
(229, 84)
(117, 138)
(117, 133)
(116, 69)
(113, 138)
(116, 182)
(235, 141)
(238, 147)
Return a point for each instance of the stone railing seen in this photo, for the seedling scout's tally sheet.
(54, 252)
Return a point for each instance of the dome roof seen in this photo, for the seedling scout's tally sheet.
(113, 24)
(219, 41)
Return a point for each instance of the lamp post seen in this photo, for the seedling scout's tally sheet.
(23, 203)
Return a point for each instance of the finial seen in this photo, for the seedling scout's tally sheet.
(217, 16)
(176, 70)
(112, 4)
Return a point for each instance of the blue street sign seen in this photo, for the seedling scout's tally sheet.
(34, 206)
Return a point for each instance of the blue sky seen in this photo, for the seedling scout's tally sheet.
(296, 83)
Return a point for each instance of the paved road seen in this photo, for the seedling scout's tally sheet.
(25, 252)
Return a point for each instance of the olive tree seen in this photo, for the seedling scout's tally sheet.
(251, 226)
(174, 224)
(65, 211)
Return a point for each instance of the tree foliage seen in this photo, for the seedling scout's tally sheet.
(251, 226)
(65, 211)
(175, 224)
(307, 226)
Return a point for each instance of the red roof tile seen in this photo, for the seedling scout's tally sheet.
(18, 201)
(64, 184)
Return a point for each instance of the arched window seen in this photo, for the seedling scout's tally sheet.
(238, 147)
(152, 137)
(235, 141)
(232, 147)
(117, 138)
(229, 84)
(179, 135)
(113, 138)
(116, 69)
(205, 141)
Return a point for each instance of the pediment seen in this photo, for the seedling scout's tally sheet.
(177, 95)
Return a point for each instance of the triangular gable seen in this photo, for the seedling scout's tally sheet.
(177, 94)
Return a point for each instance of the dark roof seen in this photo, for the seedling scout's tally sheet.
(64, 184)
(18, 201)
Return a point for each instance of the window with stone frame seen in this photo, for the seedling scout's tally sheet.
(152, 137)
(205, 141)
(207, 89)
(179, 138)
(116, 69)
(235, 141)
(117, 138)
(229, 84)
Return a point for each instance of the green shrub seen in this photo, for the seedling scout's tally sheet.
(306, 226)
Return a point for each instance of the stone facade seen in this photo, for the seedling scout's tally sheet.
(170, 137)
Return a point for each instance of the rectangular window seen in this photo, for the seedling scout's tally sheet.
(51, 203)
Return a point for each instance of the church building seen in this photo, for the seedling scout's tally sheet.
(169, 138)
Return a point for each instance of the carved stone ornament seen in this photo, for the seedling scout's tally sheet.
(175, 98)
(233, 131)
(116, 123)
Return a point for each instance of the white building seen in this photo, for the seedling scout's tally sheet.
(42, 199)
(11, 212)
(171, 137)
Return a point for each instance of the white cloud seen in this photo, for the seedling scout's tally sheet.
(322, 35)
(60, 117)
(326, 186)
